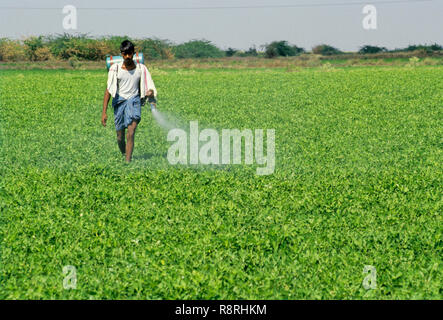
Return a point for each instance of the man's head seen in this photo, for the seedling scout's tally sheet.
(127, 50)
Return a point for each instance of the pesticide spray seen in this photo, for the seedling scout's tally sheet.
(161, 119)
(166, 121)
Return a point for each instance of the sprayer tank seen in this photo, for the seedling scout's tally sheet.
(110, 60)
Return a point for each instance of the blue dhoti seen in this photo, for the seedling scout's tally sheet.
(126, 111)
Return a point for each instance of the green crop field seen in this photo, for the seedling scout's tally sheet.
(358, 181)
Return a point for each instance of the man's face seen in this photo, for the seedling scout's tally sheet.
(127, 56)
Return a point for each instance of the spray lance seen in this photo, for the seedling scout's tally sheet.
(138, 58)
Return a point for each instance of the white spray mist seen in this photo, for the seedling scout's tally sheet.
(164, 120)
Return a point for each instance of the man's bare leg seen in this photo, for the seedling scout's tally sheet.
(121, 141)
(130, 140)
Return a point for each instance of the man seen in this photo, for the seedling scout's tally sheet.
(129, 84)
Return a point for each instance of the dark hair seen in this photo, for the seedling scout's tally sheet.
(127, 46)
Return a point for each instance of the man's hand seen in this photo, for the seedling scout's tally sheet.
(150, 93)
(104, 119)
(105, 107)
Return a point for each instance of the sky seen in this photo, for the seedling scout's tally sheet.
(238, 24)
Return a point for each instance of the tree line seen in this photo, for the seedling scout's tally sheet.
(83, 47)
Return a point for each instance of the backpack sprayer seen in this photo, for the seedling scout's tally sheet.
(110, 60)
(138, 58)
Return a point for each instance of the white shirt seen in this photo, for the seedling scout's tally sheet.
(146, 82)
(128, 83)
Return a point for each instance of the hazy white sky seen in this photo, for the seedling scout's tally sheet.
(311, 22)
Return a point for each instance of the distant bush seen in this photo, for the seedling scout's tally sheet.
(154, 48)
(197, 49)
(43, 54)
(59, 45)
(252, 51)
(114, 42)
(434, 47)
(32, 44)
(65, 46)
(425, 48)
(78, 47)
(230, 52)
(11, 50)
(325, 50)
(282, 49)
(372, 49)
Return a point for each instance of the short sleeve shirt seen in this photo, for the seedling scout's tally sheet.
(128, 83)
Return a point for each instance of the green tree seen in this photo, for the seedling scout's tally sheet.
(230, 52)
(197, 49)
(154, 48)
(252, 51)
(325, 50)
(281, 48)
(371, 49)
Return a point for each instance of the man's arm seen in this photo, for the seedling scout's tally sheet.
(150, 84)
(105, 107)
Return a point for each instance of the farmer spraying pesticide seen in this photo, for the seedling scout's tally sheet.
(130, 85)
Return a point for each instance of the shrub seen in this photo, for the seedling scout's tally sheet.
(230, 52)
(325, 50)
(65, 46)
(43, 54)
(102, 49)
(113, 44)
(197, 49)
(11, 50)
(154, 48)
(424, 48)
(32, 44)
(436, 47)
(281, 48)
(59, 44)
(372, 49)
(252, 51)
(271, 52)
